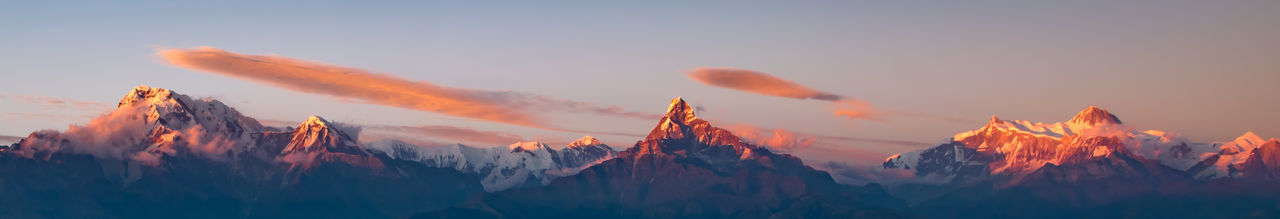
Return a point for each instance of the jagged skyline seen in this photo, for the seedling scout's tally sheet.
(1207, 77)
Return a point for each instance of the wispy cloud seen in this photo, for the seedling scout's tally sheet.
(769, 85)
(16, 115)
(856, 109)
(507, 107)
(875, 140)
(776, 139)
(758, 83)
(786, 140)
(57, 103)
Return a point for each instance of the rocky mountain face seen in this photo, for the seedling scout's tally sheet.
(522, 164)
(163, 154)
(688, 168)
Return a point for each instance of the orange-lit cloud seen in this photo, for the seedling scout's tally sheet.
(777, 139)
(383, 89)
(112, 135)
(766, 84)
(785, 140)
(757, 82)
(855, 109)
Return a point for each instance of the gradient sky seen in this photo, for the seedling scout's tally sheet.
(1205, 69)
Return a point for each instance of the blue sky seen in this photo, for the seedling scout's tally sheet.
(1205, 69)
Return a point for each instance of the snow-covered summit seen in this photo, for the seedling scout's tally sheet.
(176, 111)
(1094, 116)
(680, 111)
(584, 141)
(1231, 156)
(317, 134)
(527, 146)
(150, 123)
(676, 122)
(1017, 147)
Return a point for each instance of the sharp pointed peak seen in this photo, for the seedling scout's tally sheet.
(1249, 135)
(678, 104)
(995, 120)
(316, 133)
(1095, 115)
(680, 110)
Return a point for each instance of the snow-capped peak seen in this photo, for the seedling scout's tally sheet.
(1244, 143)
(314, 121)
(1094, 116)
(680, 111)
(318, 134)
(527, 146)
(176, 111)
(674, 124)
(995, 120)
(1024, 146)
(1250, 138)
(584, 141)
(144, 93)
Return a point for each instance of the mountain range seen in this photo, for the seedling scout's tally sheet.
(1092, 165)
(164, 154)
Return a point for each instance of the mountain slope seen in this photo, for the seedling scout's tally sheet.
(1232, 156)
(688, 168)
(522, 164)
(1014, 148)
(163, 154)
(1091, 166)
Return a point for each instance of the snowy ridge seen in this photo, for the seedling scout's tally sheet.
(1016, 147)
(584, 141)
(517, 165)
(1232, 155)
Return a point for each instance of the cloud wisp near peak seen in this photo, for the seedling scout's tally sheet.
(758, 83)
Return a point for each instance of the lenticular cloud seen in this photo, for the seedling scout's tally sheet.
(758, 83)
(383, 89)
